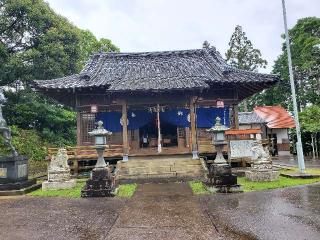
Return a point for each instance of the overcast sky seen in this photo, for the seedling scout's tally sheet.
(153, 25)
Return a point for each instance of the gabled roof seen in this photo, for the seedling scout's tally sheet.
(249, 118)
(159, 71)
(275, 116)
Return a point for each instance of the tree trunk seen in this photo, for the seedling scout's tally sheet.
(245, 106)
(313, 148)
(316, 144)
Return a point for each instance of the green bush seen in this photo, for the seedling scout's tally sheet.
(30, 144)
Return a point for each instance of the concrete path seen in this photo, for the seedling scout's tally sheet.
(57, 218)
(163, 211)
(290, 213)
(166, 211)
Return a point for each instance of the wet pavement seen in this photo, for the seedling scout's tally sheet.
(166, 211)
(290, 213)
(163, 211)
(291, 161)
(57, 218)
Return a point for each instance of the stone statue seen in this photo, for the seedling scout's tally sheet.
(4, 129)
(59, 172)
(259, 153)
(261, 167)
(60, 161)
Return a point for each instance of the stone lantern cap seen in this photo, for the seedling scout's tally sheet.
(99, 131)
(218, 127)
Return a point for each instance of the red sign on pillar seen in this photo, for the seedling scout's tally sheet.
(220, 103)
(94, 108)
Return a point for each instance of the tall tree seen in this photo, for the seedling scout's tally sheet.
(305, 49)
(89, 44)
(310, 123)
(242, 55)
(37, 43)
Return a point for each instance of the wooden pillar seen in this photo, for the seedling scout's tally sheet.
(125, 131)
(79, 140)
(193, 129)
(236, 116)
(159, 129)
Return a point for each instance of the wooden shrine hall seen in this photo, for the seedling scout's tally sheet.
(156, 103)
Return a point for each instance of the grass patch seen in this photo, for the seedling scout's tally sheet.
(198, 187)
(69, 193)
(127, 190)
(249, 186)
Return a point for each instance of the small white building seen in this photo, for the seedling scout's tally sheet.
(274, 122)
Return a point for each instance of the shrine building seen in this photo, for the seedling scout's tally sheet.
(156, 103)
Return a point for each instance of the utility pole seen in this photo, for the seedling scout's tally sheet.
(293, 92)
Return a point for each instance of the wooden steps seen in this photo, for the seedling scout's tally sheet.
(159, 168)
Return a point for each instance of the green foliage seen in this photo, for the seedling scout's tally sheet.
(249, 186)
(127, 190)
(89, 44)
(30, 144)
(198, 187)
(309, 119)
(241, 53)
(37, 43)
(28, 110)
(305, 49)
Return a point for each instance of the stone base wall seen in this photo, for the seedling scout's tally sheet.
(59, 185)
(58, 175)
(262, 176)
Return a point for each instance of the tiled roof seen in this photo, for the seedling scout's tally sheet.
(249, 118)
(168, 70)
(275, 116)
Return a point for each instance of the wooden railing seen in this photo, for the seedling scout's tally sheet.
(82, 157)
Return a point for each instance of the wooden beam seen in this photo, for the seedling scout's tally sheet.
(193, 128)
(236, 116)
(125, 131)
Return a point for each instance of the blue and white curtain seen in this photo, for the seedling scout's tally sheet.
(179, 117)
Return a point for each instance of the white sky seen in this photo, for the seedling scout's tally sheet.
(153, 25)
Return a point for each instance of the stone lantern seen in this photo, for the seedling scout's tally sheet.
(219, 140)
(101, 182)
(220, 178)
(100, 141)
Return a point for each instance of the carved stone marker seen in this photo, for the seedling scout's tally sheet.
(59, 172)
(261, 167)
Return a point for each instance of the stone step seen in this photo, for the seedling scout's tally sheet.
(152, 168)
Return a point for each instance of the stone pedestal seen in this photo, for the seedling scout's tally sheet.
(14, 176)
(262, 172)
(220, 179)
(261, 167)
(59, 173)
(101, 184)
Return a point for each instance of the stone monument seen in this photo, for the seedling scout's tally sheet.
(261, 166)
(59, 172)
(220, 177)
(13, 167)
(102, 181)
